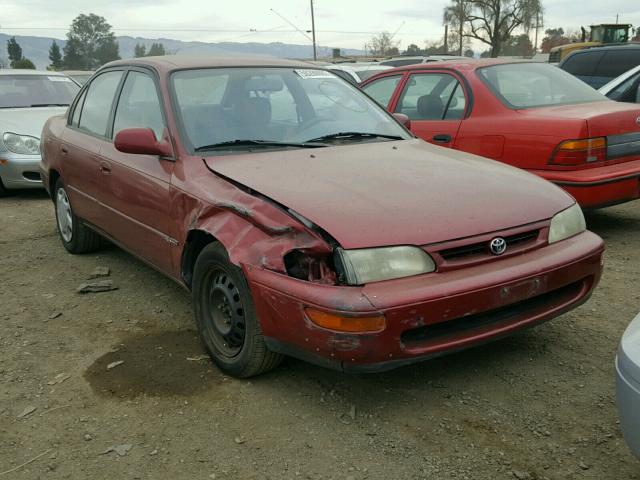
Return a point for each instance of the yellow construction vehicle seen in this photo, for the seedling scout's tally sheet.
(603, 34)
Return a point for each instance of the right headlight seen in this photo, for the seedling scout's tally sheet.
(567, 223)
(23, 144)
(376, 264)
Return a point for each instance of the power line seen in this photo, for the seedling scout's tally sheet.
(218, 30)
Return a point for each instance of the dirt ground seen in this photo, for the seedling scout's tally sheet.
(539, 405)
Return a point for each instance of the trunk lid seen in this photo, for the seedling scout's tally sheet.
(619, 122)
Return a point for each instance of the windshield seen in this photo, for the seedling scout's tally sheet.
(23, 91)
(276, 105)
(527, 85)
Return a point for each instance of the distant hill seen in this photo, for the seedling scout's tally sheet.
(36, 49)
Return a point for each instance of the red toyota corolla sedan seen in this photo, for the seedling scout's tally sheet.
(305, 219)
(530, 115)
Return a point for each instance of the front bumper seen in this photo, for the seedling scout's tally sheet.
(20, 171)
(600, 186)
(427, 315)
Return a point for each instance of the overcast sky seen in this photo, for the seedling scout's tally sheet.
(339, 23)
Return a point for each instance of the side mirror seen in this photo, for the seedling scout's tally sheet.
(403, 120)
(141, 141)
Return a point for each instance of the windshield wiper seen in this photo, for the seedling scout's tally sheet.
(258, 143)
(347, 135)
(49, 105)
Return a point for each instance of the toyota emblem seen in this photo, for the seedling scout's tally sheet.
(498, 246)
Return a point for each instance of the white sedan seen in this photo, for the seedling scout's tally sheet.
(625, 88)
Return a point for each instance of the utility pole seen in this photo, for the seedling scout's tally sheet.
(313, 32)
(446, 38)
(535, 45)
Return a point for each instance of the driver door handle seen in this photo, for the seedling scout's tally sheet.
(442, 138)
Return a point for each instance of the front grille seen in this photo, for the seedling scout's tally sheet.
(33, 176)
(510, 313)
(482, 248)
(554, 57)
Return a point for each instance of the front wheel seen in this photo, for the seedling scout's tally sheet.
(75, 235)
(226, 318)
(3, 191)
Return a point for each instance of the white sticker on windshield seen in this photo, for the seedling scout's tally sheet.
(308, 73)
(59, 79)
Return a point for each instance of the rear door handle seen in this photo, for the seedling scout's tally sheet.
(442, 138)
(105, 168)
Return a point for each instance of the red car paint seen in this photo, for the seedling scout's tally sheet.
(261, 206)
(527, 138)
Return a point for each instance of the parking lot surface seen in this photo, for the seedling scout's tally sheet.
(116, 384)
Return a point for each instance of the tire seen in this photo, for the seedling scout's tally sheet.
(75, 236)
(225, 315)
(3, 191)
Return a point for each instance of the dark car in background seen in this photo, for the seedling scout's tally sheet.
(598, 66)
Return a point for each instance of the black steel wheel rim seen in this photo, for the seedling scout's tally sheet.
(225, 325)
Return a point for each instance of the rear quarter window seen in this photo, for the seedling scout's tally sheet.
(616, 62)
(583, 63)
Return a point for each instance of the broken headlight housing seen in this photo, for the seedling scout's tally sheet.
(567, 223)
(22, 144)
(368, 265)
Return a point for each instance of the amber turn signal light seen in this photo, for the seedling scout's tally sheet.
(340, 323)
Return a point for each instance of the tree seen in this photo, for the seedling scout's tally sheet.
(24, 63)
(55, 56)
(139, 51)
(413, 49)
(383, 44)
(456, 15)
(14, 50)
(156, 49)
(90, 43)
(555, 37)
(518, 46)
(494, 21)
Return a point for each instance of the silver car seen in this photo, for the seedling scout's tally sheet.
(27, 99)
(625, 88)
(628, 385)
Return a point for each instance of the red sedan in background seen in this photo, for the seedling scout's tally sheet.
(529, 115)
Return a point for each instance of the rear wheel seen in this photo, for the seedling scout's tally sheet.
(226, 318)
(75, 235)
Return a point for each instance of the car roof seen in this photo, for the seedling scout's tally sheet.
(358, 68)
(23, 71)
(169, 63)
(464, 64)
(628, 46)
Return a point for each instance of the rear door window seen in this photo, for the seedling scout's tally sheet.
(616, 62)
(96, 110)
(432, 96)
(381, 90)
(583, 63)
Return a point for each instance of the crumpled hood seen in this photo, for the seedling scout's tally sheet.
(27, 121)
(396, 193)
